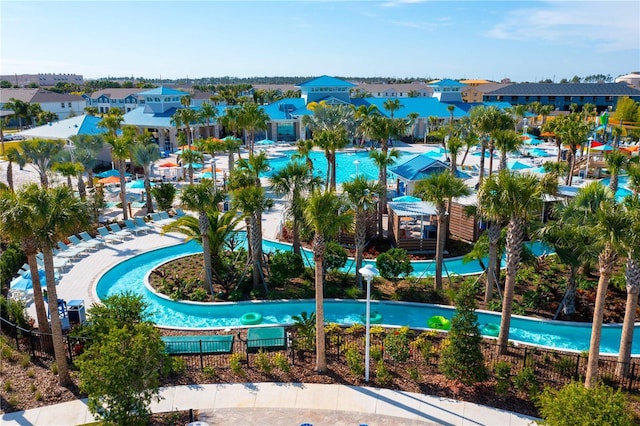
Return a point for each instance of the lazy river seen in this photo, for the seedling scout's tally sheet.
(130, 275)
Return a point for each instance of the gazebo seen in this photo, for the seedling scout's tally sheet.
(412, 225)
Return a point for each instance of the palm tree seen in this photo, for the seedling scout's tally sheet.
(439, 188)
(201, 198)
(20, 109)
(304, 148)
(143, 153)
(252, 118)
(631, 244)
(616, 161)
(294, 181)
(454, 145)
(13, 155)
(56, 213)
(383, 160)
(185, 117)
(208, 113)
(514, 196)
(506, 141)
(191, 157)
(573, 131)
(41, 153)
(85, 151)
(67, 169)
(633, 171)
(330, 140)
(361, 115)
(324, 215)
(16, 222)
(361, 196)
(392, 105)
(120, 153)
(608, 225)
(487, 120)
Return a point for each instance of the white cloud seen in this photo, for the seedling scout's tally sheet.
(396, 3)
(605, 26)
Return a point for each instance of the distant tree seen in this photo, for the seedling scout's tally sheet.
(394, 264)
(462, 359)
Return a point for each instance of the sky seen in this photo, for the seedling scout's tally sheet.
(520, 40)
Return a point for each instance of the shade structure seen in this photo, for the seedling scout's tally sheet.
(109, 173)
(193, 165)
(137, 184)
(23, 283)
(604, 148)
(231, 138)
(109, 180)
(537, 152)
(206, 175)
(486, 154)
(406, 199)
(517, 165)
(265, 142)
(168, 164)
(532, 141)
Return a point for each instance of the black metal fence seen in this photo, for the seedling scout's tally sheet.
(550, 367)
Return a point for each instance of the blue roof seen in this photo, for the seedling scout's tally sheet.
(446, 83)
(419, 167)
(163, 91)
(89, 126)
(326, 81)
(137, 117)
(284, 109)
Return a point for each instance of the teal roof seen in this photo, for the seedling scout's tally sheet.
(447, 83)
(326, 81)
(163, 91)
(419, 167)
(286, 109)
(137, 117)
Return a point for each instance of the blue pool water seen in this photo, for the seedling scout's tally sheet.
(130, 274)
(345, 167)
(623, 187)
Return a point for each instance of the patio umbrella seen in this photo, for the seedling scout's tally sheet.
(109, 173)
(537, 152)
(194, 165)
(265, 142)
(110, 180)
(206, 175)
(603, 148)
(168, 164)
(517, 165)
(23, 283)
(137, 184)
(486, 154)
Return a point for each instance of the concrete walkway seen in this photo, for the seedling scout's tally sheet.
(293, 404)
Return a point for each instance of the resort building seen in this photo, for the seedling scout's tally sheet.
(105, 99)
(632, 79)
(563, 95)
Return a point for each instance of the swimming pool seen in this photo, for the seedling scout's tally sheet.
(345, 167)
(129, 275)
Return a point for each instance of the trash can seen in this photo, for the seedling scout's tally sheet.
(76, 312)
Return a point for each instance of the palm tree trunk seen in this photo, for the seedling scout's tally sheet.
(515, 236)
(333, 171)
(491, 160)
(360, 240)
(82, 191)
(440, 242)
(10, 176)
(56, 325)
(494, 237)
(255, 253)
(38, 299)
(318, 258)
(483, 150)
(606, 261)
(296, 237)
(569, 307)
(147, 190)
(123, 194)
(632, 273)
(203, 224)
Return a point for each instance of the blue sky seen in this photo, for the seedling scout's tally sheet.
(521, 40)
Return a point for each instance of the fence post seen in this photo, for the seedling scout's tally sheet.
(201, 358)
(524, 357)
(69, 349)
(33, 347)
(576, 373)
(632, 376)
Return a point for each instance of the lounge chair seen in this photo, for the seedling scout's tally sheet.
(107, 236)
(161, 220)
(70, 252)
(116, 230)
(84, 235)
(132, 227)
(180, 212)
(89, 245)
(140, 223)
(59, 264)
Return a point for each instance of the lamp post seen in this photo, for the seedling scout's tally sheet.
(357, 163)
(213, 172)
(368, 272)
(525, 122)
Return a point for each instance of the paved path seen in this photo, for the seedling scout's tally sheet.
(293, 404)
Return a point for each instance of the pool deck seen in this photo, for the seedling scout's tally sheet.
(292, 404)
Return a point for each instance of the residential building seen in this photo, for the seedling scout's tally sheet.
(632, 79)
(60, 104)
(105, 99)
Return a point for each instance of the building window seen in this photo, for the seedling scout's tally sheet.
(61, 104)
(552, 98)
(69, 104)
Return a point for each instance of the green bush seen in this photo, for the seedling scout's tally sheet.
(263, 362)
(383, 375)
(281, 362)
(502, 371)
(13, 311)
(305, 326)
(10, 261)
(199, 295)
(164, 195)
(354, 361)
(235, 363)
(396, 345)
(209, 373)
(526, 381)
(576, 405)
(376, 352)
(565, 366)
(335, 256)
(284, 265)
(394, 264)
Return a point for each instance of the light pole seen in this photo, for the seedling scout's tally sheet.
(368, 272)
(213, 172)
(357, 163)
(586, 167)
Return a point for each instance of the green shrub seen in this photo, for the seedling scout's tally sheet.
(394, 264)
(526, 381)
(281, 362)
(396, 345)
(376, 352)
(354, 361)
(356, 328)
(352, 293)
(414, 374)
(263, 362)
(31, 373)
(199, 295)
(8, 386)
(423, 346)
(25, 361)
(305, 326)
(164, 195)
(335, 256)
(210, 372)
(177, 366)
(502, 371)
(576, 405)
(54, 369)
(10, 261)
(383, 375)
(565, 366)
(235, 363)
(284, 265)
